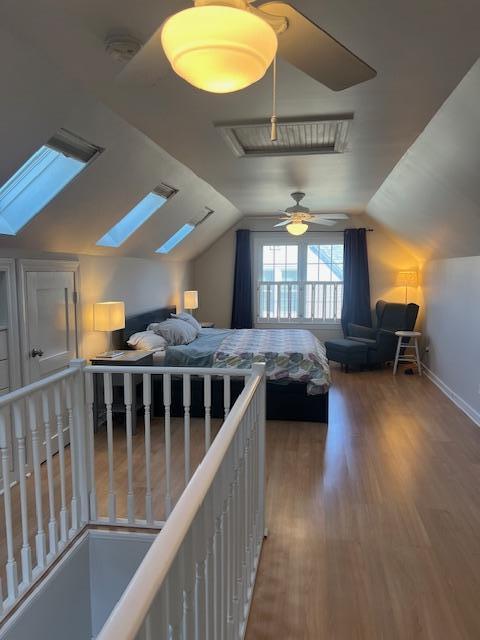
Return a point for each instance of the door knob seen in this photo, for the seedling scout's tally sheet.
(36, 352)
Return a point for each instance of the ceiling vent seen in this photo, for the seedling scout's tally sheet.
(295, 137)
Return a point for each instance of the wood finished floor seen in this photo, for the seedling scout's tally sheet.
(374, 522)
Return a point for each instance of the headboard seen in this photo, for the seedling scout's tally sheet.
(139, 322)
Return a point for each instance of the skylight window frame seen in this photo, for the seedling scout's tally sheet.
(177, 238)
(30, 182)
(136, 217)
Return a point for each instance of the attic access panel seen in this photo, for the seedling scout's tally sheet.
(308, 136)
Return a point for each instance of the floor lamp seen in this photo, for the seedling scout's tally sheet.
(407, 279)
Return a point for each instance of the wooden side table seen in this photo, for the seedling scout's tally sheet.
(407, 340)
(132, 358)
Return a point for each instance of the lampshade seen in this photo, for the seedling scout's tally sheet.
(219, 48)
(297, 228)
(108, 316)
(190, 299)
(407, 278)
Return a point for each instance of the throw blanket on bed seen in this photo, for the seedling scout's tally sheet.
(291, 355)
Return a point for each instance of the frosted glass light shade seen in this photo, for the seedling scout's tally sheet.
(219, 48)
(407, 279)
(297, 228)
(108, 316)
(190, 299)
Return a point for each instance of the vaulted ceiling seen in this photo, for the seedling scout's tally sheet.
(59, 73)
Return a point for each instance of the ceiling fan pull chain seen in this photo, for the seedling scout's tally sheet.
(273, 119)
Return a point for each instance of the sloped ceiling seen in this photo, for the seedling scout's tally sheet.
(420, 50)
(38, 102)
(432, 197)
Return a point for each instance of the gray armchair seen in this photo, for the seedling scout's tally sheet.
(381, 340)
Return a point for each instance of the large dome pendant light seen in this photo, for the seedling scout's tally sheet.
(297, 228)
(219, 47)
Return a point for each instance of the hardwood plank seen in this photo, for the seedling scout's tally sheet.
(374, 522)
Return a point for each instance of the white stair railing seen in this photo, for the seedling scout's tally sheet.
(41, 417)
(211, 541)
(196, 581)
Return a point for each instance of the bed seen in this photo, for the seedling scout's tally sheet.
(298, 376)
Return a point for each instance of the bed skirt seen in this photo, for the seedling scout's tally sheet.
(284, 402)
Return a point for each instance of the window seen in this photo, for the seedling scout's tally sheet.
(41, 178)
(299, 280)
(177, 237)
(137, 216)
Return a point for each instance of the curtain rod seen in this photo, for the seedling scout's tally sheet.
(312, 231)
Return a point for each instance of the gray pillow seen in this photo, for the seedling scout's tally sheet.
(187, 317)
(174, 331)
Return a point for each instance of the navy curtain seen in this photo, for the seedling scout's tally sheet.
(356, 283)
(242, 312)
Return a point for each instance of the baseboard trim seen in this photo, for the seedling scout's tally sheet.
(454, 397)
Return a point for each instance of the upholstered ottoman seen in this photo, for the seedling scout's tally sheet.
(346, 351)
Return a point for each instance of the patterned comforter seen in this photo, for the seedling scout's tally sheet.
(291, 355)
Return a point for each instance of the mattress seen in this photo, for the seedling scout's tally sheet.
(290, 355)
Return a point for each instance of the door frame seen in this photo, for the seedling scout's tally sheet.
(24, 267)
(7, 265)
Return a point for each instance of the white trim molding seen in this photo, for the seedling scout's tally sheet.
(467, 409)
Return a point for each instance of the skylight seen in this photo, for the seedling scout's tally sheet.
(41, 178)
(177, 237)
(137, 216)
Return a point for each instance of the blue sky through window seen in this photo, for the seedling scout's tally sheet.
(177, 237)
(134, 219)
(33, 186)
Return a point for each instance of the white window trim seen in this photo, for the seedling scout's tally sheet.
(260, 239)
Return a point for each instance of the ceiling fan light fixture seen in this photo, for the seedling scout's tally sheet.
(219, 49)
(297, 228)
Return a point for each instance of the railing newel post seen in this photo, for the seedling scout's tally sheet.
(80, 435)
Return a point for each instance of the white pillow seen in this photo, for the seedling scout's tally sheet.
(147, 341)
(187, 317)
(174, 331)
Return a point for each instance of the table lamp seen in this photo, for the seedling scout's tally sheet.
(407, 279)
(190, 300)
(109, 316)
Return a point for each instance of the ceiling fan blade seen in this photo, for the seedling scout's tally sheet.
(147, 66)
(282, 224)
(325, 221)
(330, 216)
(308, 47)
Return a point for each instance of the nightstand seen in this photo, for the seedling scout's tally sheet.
(207, 325)
(128, 358)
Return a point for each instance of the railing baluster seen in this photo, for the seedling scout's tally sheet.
(26, 553)
(200, 568)
(167, 401)
(11, 566)
(67, 394)
(226, 395)
(61, 461)
(209, 565)
(127, 386)
(52, 522)
(186, 423)
(147, 401)
(188, 581)
(40, 537)
(207, 401)
(112, 497)
(89, 394)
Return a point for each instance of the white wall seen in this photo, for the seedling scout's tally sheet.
(452, 294)
(141, 284)
(213, 272)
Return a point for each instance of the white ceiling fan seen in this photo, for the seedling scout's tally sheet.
(297, 217)
(227, 45)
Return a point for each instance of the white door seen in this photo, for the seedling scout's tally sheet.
(51, 322)
(49, 330)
